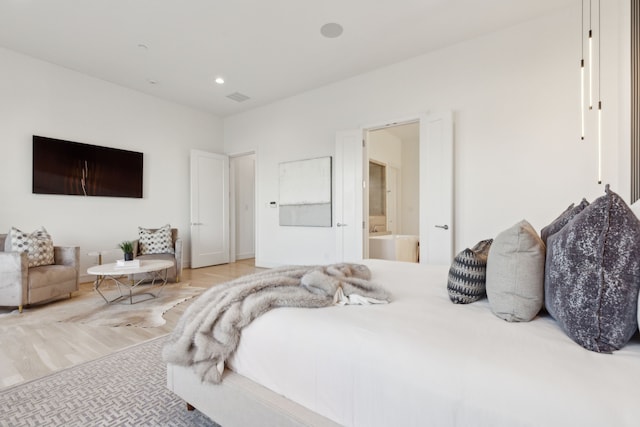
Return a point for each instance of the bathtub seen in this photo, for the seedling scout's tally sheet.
(395, 247)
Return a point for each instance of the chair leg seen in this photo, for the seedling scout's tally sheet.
(20, 308)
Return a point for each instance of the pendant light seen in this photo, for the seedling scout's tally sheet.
(599, 101)
(590, 59)
(591, 34)
(582, 73)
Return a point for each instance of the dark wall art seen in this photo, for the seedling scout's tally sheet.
(73, 168)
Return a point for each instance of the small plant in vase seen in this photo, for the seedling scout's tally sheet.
(127, 248)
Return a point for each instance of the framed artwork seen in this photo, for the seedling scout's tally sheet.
(305, 193)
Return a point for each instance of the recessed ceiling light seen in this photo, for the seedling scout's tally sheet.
(331, 30)
(220, 80)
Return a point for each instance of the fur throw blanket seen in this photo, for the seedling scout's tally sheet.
(209, 331)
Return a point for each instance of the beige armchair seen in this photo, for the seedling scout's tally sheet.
(174, 273)
(21, 285)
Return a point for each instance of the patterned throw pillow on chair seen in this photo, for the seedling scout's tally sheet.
(155, 241)
(38, 245)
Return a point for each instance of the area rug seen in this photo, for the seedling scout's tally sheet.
(147, 313)
(126, 388)
(88, 307)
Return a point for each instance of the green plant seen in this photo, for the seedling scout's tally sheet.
(126, 246)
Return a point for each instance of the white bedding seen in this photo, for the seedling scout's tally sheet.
(422, 360)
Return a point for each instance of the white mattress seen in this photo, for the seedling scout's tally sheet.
(423, 360)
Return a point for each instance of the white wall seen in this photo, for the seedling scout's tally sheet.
(385, 147)
(515, 95)
(39, 98)
(410, 176)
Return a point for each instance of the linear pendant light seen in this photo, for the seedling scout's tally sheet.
(590, 59)
(599, 142)
(591, 66)
(599, 101)
(582, 74)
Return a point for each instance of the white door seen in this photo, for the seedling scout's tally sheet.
(348, 200)
(209, 209)
(436, 188)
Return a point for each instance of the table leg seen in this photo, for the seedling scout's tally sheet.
(155, 275)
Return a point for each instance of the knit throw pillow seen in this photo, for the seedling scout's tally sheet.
(155, 241)
(467, 275)
(38, 245)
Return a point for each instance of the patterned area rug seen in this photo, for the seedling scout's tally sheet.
(126, 388)
(89, 308)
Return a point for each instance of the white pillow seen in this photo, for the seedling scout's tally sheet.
(155, 241)
(38, 245)
(515, 273)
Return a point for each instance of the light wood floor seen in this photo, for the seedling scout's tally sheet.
(32, 349)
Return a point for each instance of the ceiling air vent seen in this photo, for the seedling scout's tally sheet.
(238, 97)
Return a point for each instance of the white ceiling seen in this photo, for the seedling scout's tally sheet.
(265, 49)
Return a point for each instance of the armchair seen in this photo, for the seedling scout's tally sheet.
(173, 273)
(22, 285)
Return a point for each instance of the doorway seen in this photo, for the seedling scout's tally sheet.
(435, 200)
(394, 189)
(242, 204)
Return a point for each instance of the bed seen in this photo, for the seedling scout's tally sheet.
(419, 360)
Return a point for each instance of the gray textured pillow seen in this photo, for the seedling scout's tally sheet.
(592, 275)
(467, 275)
(562, 220)
(515, 273)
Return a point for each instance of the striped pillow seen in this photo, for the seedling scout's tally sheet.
(467, 275)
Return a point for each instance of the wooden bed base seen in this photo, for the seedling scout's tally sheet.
(238, 401)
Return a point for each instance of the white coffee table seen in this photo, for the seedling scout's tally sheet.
(156, 269)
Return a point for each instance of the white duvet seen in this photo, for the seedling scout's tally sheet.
(423, 360)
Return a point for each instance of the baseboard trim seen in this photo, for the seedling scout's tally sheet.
(245, 256)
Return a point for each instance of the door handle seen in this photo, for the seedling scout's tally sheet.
(444, 227)
(197, 223)
(341, 225)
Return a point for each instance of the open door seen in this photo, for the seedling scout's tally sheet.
(436, 188)
(209, 209)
